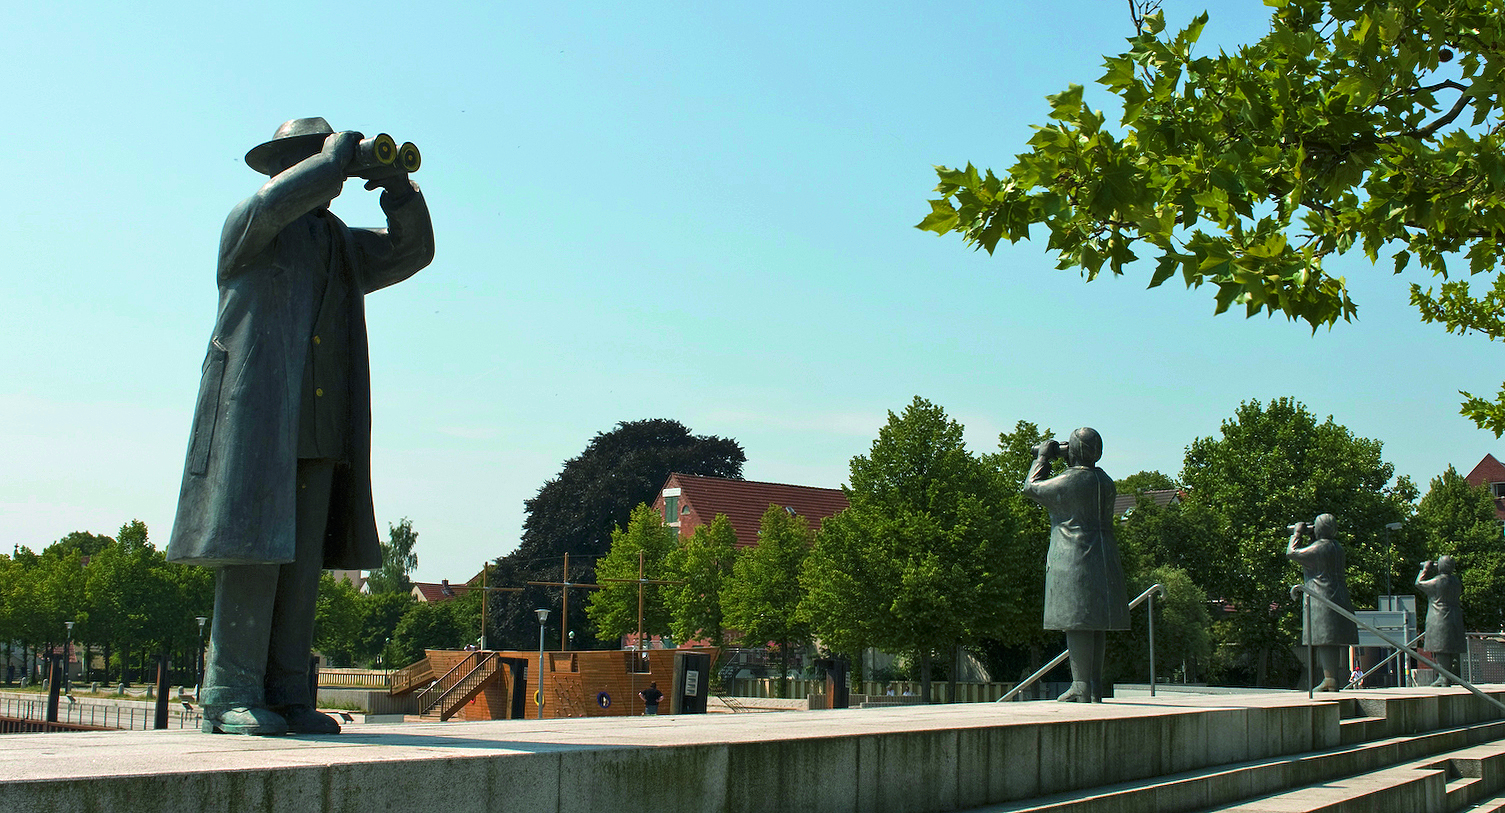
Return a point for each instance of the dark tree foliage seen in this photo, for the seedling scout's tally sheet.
(575, 512)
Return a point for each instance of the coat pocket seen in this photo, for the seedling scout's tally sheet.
(206, 415)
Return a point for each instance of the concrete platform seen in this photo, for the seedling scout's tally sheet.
(926, 758)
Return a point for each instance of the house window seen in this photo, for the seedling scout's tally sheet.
(671, 509)
(1497, 489)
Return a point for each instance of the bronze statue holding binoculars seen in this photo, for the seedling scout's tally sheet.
(1324, 573)
(277, 481)
(1446, 635)
(1085, 594)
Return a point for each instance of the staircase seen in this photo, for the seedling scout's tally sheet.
(447, 695)
(410, 677)
(1400, 750)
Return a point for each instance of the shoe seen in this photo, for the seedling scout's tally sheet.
(1078, 693)
(252, 720)
(1442, 682)
(308, 720)
(1097, 692)
(1327, 685)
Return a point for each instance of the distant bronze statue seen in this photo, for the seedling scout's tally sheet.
(1084, 579)
(1446, 635)
(277, 483)
(1324, 573)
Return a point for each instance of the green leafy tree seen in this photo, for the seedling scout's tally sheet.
(425, 626)
(613, 609)
(1141, 481)
(337, 620)
(1349, 125)
(380, 614)
(703, 562)
(1183, 629)
(1458, 518)
(762, 598)
(398, 559)
(576, 511)
(933, 539)
(1272, 465)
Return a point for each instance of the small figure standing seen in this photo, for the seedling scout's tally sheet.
(1446, 636)
(1324, 573)
(651, 696)
(1084, 579)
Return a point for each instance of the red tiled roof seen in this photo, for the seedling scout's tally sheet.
(435, 593)
(744, 501)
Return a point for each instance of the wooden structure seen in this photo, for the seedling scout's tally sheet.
(464, 685)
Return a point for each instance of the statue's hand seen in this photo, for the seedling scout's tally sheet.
(342, 146)
(393, 180)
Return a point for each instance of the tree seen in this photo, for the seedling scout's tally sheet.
(575, 511)
(614, 607)
(762, 598)
(1273, 465)
(337, 620)
(425, 626)
(1183, 636)
(1141, 481)
(1458, 518)
(703, 562)
(1342, 127)
(926, 537)
(398, 560)
(380, 615)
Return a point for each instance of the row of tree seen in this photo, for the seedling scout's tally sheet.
(940, 552)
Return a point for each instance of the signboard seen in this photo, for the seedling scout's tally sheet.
(1399, 625)
(692, 683)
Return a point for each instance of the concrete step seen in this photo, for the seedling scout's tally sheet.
(1360, 729)
(1372, 777)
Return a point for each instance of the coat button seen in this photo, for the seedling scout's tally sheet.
(319, 391)
(316, 340)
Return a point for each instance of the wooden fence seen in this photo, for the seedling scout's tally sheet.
(355, 678)
(939, 689)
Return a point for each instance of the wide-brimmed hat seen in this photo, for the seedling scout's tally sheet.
(301, 137)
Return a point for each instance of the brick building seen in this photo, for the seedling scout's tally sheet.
(1490, 473)
(688, 501)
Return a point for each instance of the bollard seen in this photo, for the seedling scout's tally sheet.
(162, 692)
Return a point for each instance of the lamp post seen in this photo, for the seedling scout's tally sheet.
(543, 617)
(67, 659)
(198, 683)
(1390, 529)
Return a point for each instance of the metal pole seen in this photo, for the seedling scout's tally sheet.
(1306, 632)
(1152, 644)
(543, 617)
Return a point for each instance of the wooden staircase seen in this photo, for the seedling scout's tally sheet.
(410, 678)
(446, 696)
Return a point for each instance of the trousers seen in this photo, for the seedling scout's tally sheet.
(263, 629)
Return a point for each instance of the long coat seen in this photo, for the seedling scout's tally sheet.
(1445, 630)
(283, 261)
(1324, 572)
(1084, 578)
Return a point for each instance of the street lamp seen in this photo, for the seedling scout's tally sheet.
(67, 658)
(1390, 529)
(198, 685)
(543, 617)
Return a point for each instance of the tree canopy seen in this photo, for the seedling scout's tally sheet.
(576, 510)
(1375, 126)
(398, 559)
(614, 608)
(762, 598)
(703, 561)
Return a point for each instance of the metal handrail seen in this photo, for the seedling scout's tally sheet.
(1300, 590)
(1059, 659)
(1388, 658)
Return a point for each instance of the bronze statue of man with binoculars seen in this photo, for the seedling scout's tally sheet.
(277, 482)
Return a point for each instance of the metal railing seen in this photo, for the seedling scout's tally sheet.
(1299, 590)
(127, 716)
(1148, 595)
(1394, 653)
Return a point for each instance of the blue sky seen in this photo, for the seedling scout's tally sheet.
(695, 211)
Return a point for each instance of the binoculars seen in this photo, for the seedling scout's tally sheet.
(380, 151)
(1035, 449)
(1306, 528)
